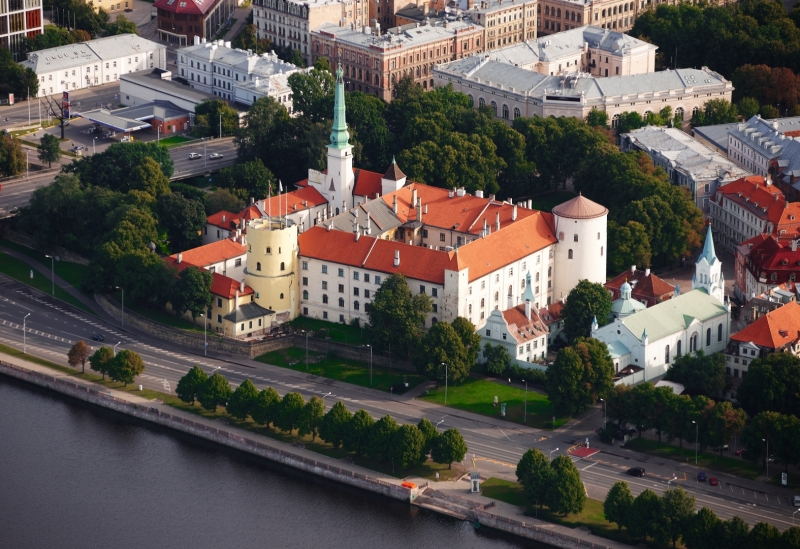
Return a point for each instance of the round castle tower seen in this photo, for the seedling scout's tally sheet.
(581, 229)
(272, 266)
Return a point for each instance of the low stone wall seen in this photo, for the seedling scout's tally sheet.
(248, 349)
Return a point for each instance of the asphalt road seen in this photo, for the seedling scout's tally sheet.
(495, 446)
(87, 99)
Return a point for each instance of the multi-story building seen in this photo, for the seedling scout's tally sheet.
(560, 15)
(288, 23)
(234, 74)
(758, 145)
(93, 63)
(110, 6)
(646, 287)
(514, 91)
(179, 21)
(688, 163)
(19, 19)
(374, 63)
(589, 49)
(763, 263)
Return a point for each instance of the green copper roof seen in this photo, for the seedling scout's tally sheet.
(339, 133)
(674, 315)
(708, 249)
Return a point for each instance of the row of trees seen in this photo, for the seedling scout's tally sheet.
(556, 484)
(75, 15)
(16, 79)
(122, 367)
(383, 440)
(769, 87)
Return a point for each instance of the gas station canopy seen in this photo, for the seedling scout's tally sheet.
(118, 123)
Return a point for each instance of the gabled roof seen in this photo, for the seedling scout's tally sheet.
(773, 330)
(394, 173)
(302, 199)
(755, 196)
(248, 311)
(195, 7)
(204, 256)
(367, 183)
(552, 313)
(221, 285)
(522, 329)
(644, 286)
(223, 219)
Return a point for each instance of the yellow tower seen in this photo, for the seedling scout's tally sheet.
(272, 266)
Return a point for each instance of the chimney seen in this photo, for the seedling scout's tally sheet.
(344, 206)
(369, 226)
(180, 257)
(633, 269)
(236, 300)
(358, 233)
(252, 200)
(241, 286)
(497, 221)
(397, 258)
(414, 197)
(451, 193)
(426, 208)
(485, 227)
(223, 219)
(528, 309)
(419, 210)
(530, 204)
(647, 272)
(514, 213)
(479, 194)
(794, 245)
(394, 203)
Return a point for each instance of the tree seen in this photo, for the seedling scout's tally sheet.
(311, 417)
(723, 421)
(628, 245)
(598, 369)
(781, 431)
(58, 111)
(289, 411)
(365, 115)
(148, 176)
(381, 437)
(147, 278)
(772, 383)
(597, 118)
(565, 491)
(101, 359)
(265, 407)
(312, 93)
(396, 317)
(497, 358)
(677, 509)
(700, 374)
(223, 199)
(12, 159)
(534, 473)
(113, 167)
(586, 301)
(121, 25)
(269, 133)
(563, 381)
(357, 434)
(207, 117)
(183, 220)
(700, 532)
(629, 121)
(715, 111)
(619, 404)
(748, 107)
(215, 392)
(248, 180)
(125, 366)
(407, 446)
(247, 39)
(469, 337)
(646, 514)
(79, 354)
(49, 149)
(449, 447)
(791, 537)
(618, 503)
(190, 385)
(240, 403)
(769, 112)
(731, 533)
(334, 424)
(192, 292)
(679, 419)
(22, 82)
(763, 536)
(441, 354)
(429, 433)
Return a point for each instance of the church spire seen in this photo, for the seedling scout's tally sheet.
(709, 253)
(339, 133)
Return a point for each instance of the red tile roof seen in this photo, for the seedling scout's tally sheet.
(221, 285)
(196, 7)
(552, 313)
(648, 287)
(775, 329)
(768, 256)
(301, 199)
(755, 196)
(522, 329)
(215, 252)
(367, 183)
(223, 219)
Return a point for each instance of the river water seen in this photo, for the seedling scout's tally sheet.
(76, 476)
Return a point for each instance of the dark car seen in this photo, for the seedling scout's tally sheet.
(701, 477)
(98, 337)
(739, 452)
(636, 471)
(713, 482)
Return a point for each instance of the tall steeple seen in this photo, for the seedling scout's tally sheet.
(709, 254)
(708, 270)
(339, 133)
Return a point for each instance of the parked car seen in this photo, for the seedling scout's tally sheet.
(713, 482)
(214, 156)
(636, 471)
(739, 452)
(98, 337)
(195, 156)
(701, 477)
(796, 501)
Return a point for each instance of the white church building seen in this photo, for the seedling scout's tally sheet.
(645, 341)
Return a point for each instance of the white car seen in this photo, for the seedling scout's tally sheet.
(214, 156)
(796, 501)
(194, 156)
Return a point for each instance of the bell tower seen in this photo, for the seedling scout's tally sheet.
(708, 270)
(338, 185)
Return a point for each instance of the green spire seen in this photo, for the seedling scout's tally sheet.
(339, 133)
(709, 253)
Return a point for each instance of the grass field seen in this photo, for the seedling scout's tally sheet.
(160, 316)
(547, 202)
(477, 395)
(343, 333)
(711, 461)
(333, 367)
(19, 270)
(73, 273)
(174, 141)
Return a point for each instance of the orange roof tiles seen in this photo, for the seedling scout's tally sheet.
(215, 252)
(754, 195)
(644, 287)
(223, 219)
(522, 329)
(301, 199)
(552, 313)
(773, 330)
(221, 285)
(366, 183)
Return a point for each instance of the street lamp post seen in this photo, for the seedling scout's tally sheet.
(370, 364)
(94, 140)
(122, 316)
(158, 135)
(696, 437)
(52, 273)
(670, 480)
(445, 383)
(27, 168)
(205, 340)
(115, 347)
(24, 332)
(793, 514)
(604, 413)
(437, 425)
(525, 417)
(551, 454)
(767, 458)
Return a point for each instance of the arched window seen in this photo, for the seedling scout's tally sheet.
(558, 12)
(434, 320)
(471, 100)
(598, 236)
(569, 256)
(481, 102)
(510, 290)
(615, 121)
(678, 352)
(679, 112)
(708, 337)
(561, 235)
(482, 303)
(694, 111)
(719, 332)
(281, 296)
(517, 113)
(547, 10)
(269, 250)
(666, 355)
(549, 272)
(505, 112)
(283, 266)
(325, 298)
(575, 237)
(341, 302)
(355, 305)
(305, 294)
(537, 277)
(693, 343)
(604, 13)
(494, 108)
(258, 266)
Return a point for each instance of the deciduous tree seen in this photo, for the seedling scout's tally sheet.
(763, 536)
(79, 354)
(207, 117)
(534, 473)
(333, 428)
(701, 529)
(407, 446)
(121, 25)
(358, 431)
(586, 301)
(312, 93)
(430, 433)
(449, 447)
(396, 317)
(148, 176)
(441, 354)
(240, 404)
(381, 438)
(190, 384)
(563, 382)
(311, 417)
(565, 492)
(618, 503)
(183, 220)
(700, 374)
(125, 366)
(101, 359)
(192, 292)
(49, 149)
(248, 180)
(215, 392)
(223, 199)
(677, 508)
(646, 514)
(497, 358)
(469, 337)
(772, 383)
(289, 411)
(265, 407)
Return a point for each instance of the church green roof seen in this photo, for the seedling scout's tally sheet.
(708, 249)
(339, 134)
(626, 306)
(674, 315)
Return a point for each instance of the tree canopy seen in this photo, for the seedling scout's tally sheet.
(586, 301)
(396, 317)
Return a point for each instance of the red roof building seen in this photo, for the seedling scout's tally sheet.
(764, 262)
(646, 287)
(186, 22)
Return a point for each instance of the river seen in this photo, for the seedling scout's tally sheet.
(76, 476)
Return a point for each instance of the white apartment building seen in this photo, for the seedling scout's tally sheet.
(94, 63)
(755, 144)
(234, 74)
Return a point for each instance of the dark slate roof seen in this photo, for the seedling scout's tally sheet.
(394, 173)
(248, 311)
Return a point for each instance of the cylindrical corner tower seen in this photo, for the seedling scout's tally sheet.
(581, 229)
(272, 266)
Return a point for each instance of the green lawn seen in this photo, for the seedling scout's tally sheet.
(73, 273)
(343, 333)
(19, 270)
(711, 461)
(174, 141)
(477, 395)
(547, 202)
(158, 315)
(349, 371)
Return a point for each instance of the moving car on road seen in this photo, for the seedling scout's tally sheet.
(195, 156)
(796, 501)
(98, 337)
(713, 482)
(701, 477)
(215, 156)
(636, 471)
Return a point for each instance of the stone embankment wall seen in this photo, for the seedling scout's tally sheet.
(249, 349)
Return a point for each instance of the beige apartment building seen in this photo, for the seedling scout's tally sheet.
(560, 15)
(373, 63)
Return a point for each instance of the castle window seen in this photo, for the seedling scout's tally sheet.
(305, 281)
(258, 266)
(569, 255)
(708, 337)
(434, 292)
(324, 269)
(678, 353)
(537, 277)
(561, 235)
(666, 354)
(305, 294)
(598, 236)
(355, 291)
(283, 266)
(341, 272)
(549, 271)
(269, 250)
(482, 303)
(355, 275)
(575, 238)
(355, 305)
(281, 296)
(324, 284)
(510, 290)
(719, 333)
(325, 298)
(341, 302)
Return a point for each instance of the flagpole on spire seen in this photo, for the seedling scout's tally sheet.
(280, 191)
(269, 205)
